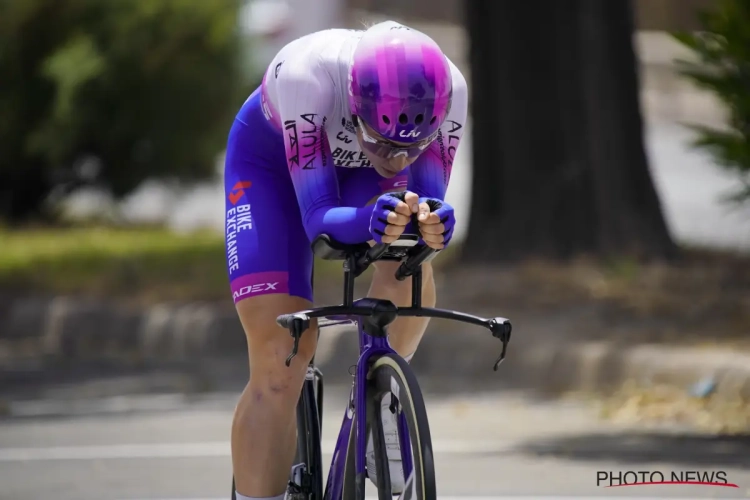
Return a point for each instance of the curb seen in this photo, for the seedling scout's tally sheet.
(602, 367)
(40, 336)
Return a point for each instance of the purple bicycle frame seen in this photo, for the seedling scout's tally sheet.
(370, 347)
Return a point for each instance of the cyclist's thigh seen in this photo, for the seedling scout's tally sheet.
(269, 261)
(362, 186)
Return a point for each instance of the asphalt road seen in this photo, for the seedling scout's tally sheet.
(486, 445)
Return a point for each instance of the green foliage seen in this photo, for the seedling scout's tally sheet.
(135, 263)
(149, 88)
(723, 68)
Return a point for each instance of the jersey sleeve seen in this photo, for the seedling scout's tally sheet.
(430, 173)
(306, 99)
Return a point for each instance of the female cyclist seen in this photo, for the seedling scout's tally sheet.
(341, 119)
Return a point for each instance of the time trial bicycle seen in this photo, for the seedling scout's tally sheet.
(379, 371)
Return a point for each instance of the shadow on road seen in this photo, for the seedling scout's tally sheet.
(643, 448)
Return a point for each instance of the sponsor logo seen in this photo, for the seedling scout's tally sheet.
(290, 126)
(412, 133)
(311, 141)
(238, 219)
(394, 183)
(349, 159)
(249, 285)
(453, 140)
(257, 288)
(348, 126)
(238, 191)
(306, 143)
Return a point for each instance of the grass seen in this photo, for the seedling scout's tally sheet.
(108, 261)
(140, 264)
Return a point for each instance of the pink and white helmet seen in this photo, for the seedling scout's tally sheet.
(400, 83)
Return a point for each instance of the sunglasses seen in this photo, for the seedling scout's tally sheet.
(384, 148)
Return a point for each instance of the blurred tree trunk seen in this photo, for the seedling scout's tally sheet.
(559, 162)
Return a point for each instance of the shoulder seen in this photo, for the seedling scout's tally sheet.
(460, 101)
(310, 58)
(301, 67)
(460, 87)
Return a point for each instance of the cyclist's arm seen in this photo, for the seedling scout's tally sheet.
(430, 173)
(306, 104)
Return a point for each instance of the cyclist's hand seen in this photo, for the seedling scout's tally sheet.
(391, 215)
(436, 222)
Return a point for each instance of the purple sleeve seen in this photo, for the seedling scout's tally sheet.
(305, 105)
(430, 173)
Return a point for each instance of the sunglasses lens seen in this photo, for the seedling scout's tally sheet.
(384, 149)
(377, 149)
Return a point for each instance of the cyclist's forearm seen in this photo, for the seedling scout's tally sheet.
(344, 224)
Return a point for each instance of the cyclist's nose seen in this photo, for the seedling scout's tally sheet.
(398, 163)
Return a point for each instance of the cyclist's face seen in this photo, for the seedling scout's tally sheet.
(387, 157)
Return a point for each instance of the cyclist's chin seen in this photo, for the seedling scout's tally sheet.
(386, 172)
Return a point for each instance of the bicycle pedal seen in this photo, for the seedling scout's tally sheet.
(295, 495)
(295, 491)
(301, 481)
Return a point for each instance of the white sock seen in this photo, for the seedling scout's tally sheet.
(243, 497)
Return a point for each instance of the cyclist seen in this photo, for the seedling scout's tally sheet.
(341, 119)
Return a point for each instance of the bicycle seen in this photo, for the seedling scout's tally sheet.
(379, 371)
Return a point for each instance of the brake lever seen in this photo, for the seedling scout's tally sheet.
(502, 356)
(501, 329)
(296, 329)
(294, 349)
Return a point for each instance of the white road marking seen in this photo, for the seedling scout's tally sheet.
(202, 450)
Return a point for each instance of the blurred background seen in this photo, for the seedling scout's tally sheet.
(602, 193)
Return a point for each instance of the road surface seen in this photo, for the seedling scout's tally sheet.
(494, 445)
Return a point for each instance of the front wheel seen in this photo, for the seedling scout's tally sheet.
(391, 374)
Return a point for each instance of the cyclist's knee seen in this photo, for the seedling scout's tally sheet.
(385, 275)
(269, 345)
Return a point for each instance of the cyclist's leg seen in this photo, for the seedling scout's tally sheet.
(270, 264)
(404, 333)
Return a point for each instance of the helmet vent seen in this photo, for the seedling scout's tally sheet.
(432, 122)
(386, 120)
(403, 119)
(419, 119)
